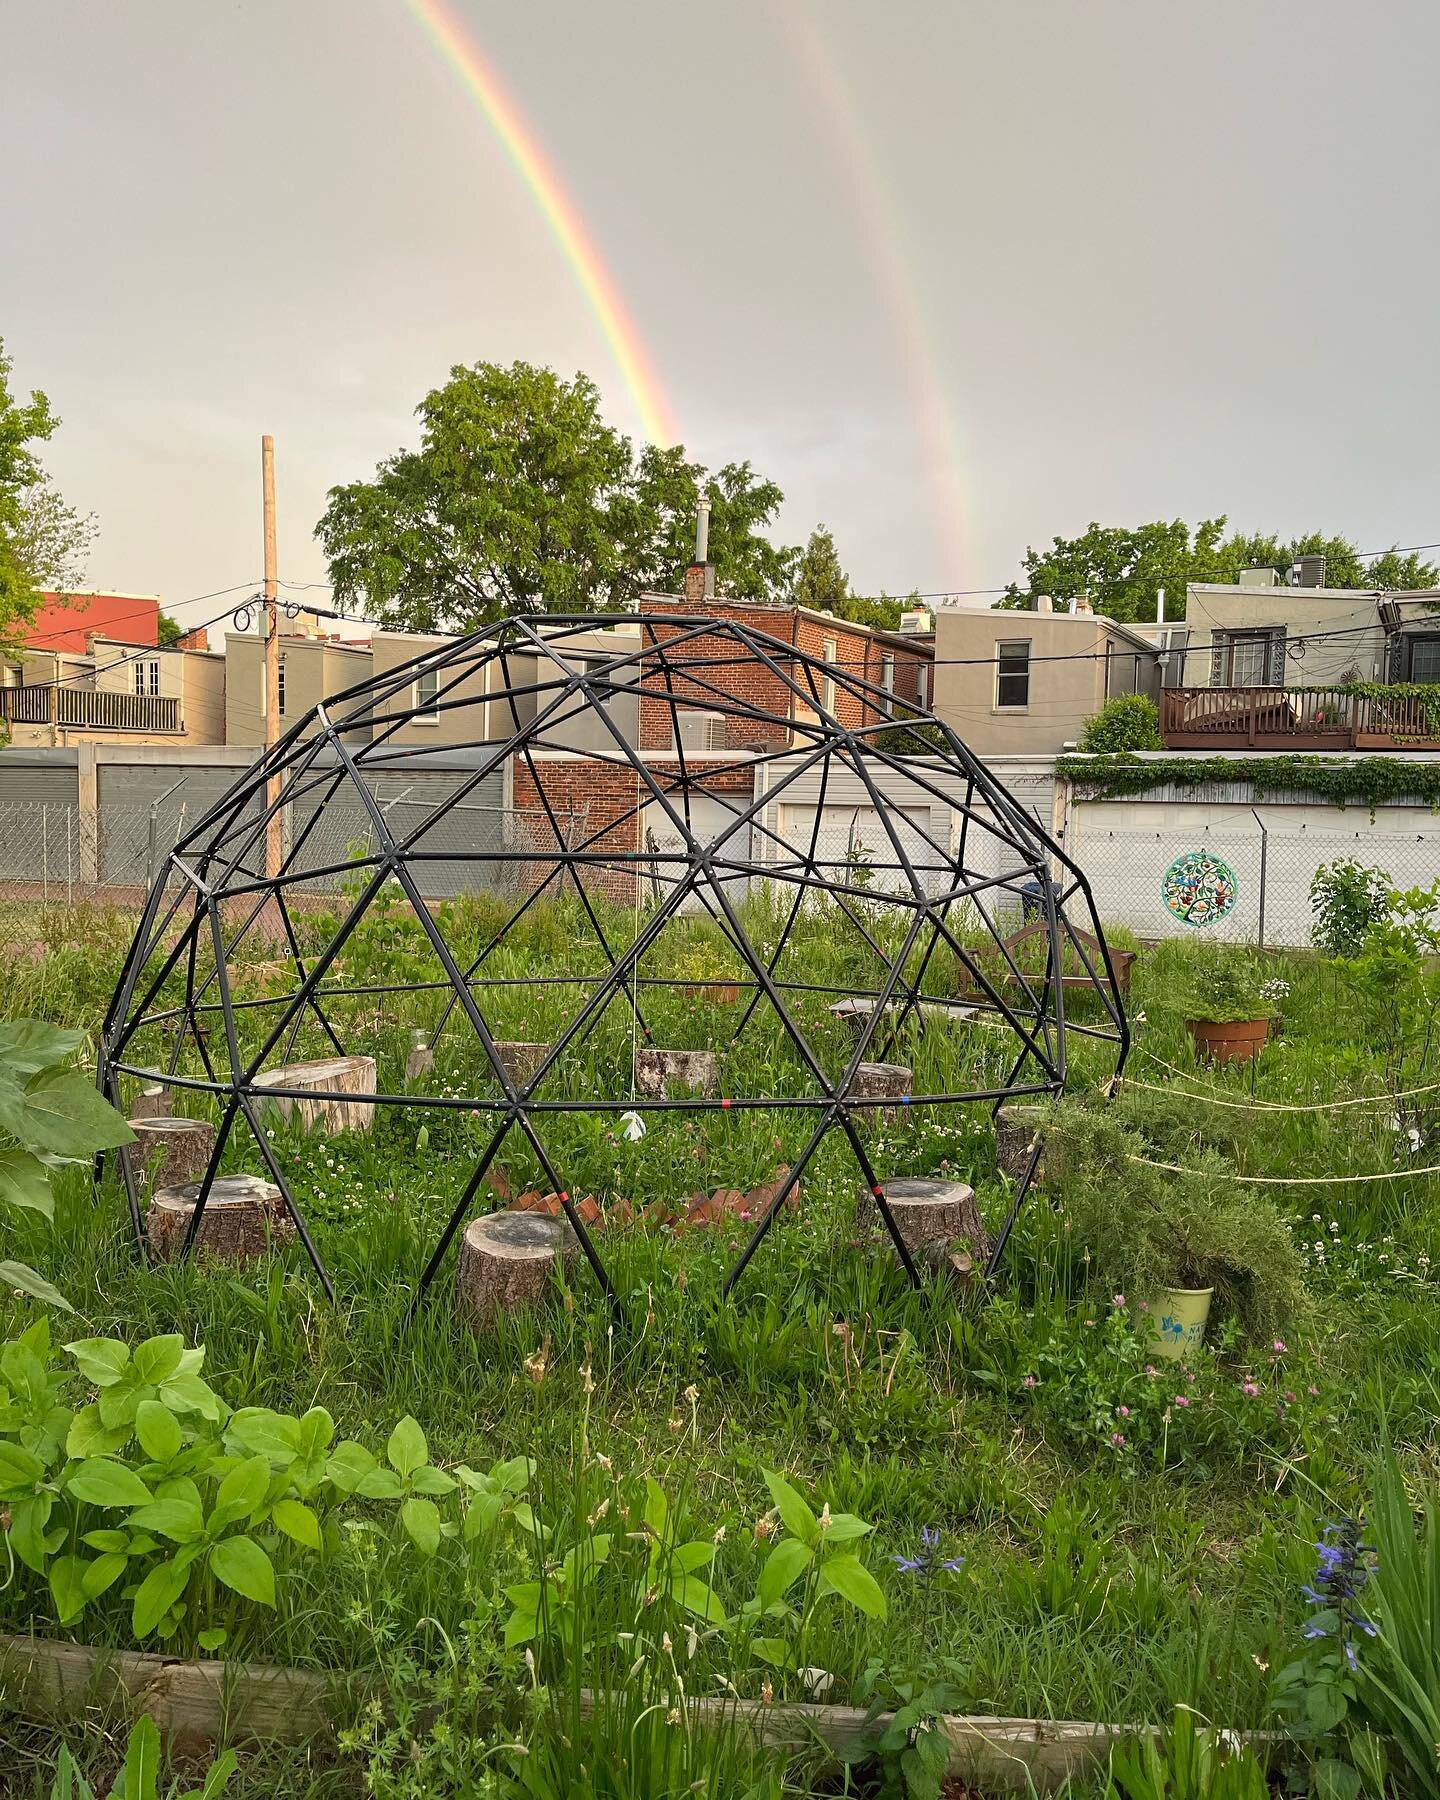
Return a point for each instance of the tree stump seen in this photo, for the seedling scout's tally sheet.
(420, 1061)
(656, 1071)
(506, 1260)
(928, 1211)
(245, 1219)
(1016, 1129)
(171, 1153)
(520, 1061)
(857, 1013)
(152, 1102)
(879, 1081)
(333, 1079)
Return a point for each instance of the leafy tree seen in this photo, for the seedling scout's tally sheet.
(42, 540)
(168, 632)
(1122, 569)
(819, 580)
(522, 498)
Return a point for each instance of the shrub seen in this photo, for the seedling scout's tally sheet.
(1128, 722)
(1223, 986)
(1146, 1229)
(1346, 898)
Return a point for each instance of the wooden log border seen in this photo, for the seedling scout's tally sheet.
(199, 1704)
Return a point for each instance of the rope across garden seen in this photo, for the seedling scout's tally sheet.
(938, 864)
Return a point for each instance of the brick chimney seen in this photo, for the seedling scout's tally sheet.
(199, 639)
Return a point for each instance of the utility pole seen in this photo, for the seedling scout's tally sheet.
(272, 654)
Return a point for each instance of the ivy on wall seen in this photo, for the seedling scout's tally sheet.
(1371, 779)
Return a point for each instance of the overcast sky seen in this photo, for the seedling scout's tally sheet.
(958, 276)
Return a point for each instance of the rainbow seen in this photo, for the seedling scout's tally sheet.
(478, 77)
(838, 114)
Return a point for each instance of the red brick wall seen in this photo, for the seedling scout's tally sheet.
(595, 799)
(857, 653)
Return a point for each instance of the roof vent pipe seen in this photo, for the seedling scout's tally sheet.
(702, 529)
(1160, 606)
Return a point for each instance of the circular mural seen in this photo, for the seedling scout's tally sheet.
(1199, 888)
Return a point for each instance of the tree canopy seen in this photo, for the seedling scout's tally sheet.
(521, 498)
(42, 540)
(1122, 568)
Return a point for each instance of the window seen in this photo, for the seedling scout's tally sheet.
(426, 691)
(827, 691)
(147, 677)
(262, 687)
(1012, 673)
(922, 687)
(1248, 658)
(1419, 658)
(887, 680)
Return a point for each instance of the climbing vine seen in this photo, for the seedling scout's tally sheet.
(1371, 779)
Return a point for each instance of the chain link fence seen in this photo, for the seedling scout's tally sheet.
(1236, 881)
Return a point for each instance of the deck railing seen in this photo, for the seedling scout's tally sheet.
(89, 709)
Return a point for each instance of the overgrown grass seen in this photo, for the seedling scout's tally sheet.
(1100, 1580)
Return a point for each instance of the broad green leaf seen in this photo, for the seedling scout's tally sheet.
(657, 1508)
(101, 1360)
(178, 1519)
(848, 1577)
(794, 1513)
(241, 1564)
(314, 1433)
(481, 1514)
(118, 1404)
(19, 1470)
(89, 1435)
(186, 1392)
(698, 1597)
(155, 1596)
(141, 1774)
(63, 1113)
(240, 1493)
(103, 1573)
(297, 1521)
(22, 1279)
(774, 1651)
(783, 1567)
(28, 1519)
(515, 1475)
(259, 1432)
(431, 1480)
(25, 1181)
(212, 1638)
(525, 1595)
(158, 1358)
(380, 1484)
(67, 1585)
(347, 1464)
(687, 1558)
(116, 1541)
(28, 1046)
(521, 1628)
(844, 1527)
(158, 1430)
(100, 1482)
(407, 1450)
(421, 1519)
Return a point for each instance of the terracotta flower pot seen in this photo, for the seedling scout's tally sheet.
(1236, 1040)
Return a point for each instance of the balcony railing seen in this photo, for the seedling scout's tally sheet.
(1275, 718)
(89, 709)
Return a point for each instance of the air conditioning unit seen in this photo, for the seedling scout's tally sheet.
(916, 620)
(700, 730)
(1308, 572)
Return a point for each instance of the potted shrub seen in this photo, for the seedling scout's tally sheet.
(1175, 1245)
(1227, 1012)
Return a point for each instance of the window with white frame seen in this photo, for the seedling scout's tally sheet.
(282, 687)
(887, 680)
(829, 652)
(426, 697)
(922, 687)
(147, 676)
(1012, 673)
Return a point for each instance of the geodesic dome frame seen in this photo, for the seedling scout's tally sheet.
(703, 824)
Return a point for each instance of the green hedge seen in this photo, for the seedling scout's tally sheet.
(1372, 779)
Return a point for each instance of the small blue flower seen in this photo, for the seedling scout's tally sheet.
(927, 1563)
